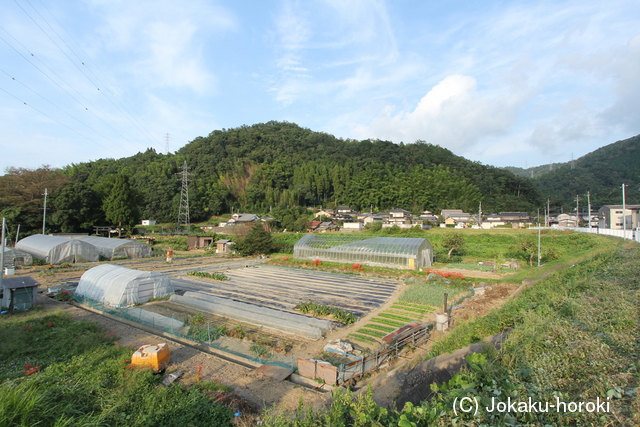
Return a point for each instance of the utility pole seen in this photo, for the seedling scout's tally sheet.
(548, 212)
(624, 213)
(539, 252)
(589, 205)
(2, 256)
(480, 215)
(44, 217)
(577, 210)
(183, 211)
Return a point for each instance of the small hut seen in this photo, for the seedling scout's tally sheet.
(18, 293)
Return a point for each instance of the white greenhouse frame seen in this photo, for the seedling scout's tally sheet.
(56, 249)
(392, 252)
(118, 248)
(119, 286)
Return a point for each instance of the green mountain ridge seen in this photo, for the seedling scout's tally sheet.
(600, 173)
(264, 166)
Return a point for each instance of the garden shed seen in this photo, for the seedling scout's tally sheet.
(56, 250)
(13, 256)
(391, 252)
(118, 286)
(18, 293)
(118, 248)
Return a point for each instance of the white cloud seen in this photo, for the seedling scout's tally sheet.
(452, 114)
(164, 43)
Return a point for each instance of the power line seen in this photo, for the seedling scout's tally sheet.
(55, 105)
(72, 61)
(151, 137)
(56, 120)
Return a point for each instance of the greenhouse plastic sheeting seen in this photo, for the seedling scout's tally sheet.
(123, 287)
(56, 250)
(392, 252)
(322, 324)
(250, 317)
(118, 248)
(15, 256)
(156, 320)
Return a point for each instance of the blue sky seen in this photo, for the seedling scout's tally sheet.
(504, 83)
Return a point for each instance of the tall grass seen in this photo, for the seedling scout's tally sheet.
(432, 292)
(84, 379)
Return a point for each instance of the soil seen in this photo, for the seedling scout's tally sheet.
(253, 391)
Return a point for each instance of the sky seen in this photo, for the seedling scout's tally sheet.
(503, 83)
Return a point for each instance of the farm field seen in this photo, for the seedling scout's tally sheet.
(284, 289)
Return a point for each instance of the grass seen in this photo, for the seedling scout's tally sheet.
(432, 292)
(83, 378)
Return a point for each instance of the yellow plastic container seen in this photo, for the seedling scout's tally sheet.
(156, 357)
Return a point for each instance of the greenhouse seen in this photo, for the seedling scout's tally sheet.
(392, 252)
(118, 248)
(56, 250)
(118, 286)
(16, 257)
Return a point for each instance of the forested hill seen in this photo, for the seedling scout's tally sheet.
(601, 173)
(274, 163)
(256, 168)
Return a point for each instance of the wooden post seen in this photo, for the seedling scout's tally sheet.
(446, 296)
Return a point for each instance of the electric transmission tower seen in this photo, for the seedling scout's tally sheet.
(183, 211)
(167, 139)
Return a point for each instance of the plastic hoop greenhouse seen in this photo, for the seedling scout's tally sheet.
(393, 252)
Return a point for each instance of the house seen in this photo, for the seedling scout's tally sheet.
(516, 219)
(401, 218)
(427, 216)
(18, 293)
(328, 213)
(456, 217)
(566, 220)
(327, 226)
(199, 241)
(148, 222)
(611, 216)
(224, 246)
(445, 213)
(353, 226)
(243, 218)
(313, 225)
(345, 213)
(492, 220)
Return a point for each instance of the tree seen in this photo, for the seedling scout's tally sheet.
(258, 241)
(76, 207)
(453, 242)
(120, 206)
(21, 195)
(528, 246)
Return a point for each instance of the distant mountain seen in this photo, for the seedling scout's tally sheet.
(534, 171)
(601, 173)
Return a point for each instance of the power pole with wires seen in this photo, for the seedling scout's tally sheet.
(183, 211)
